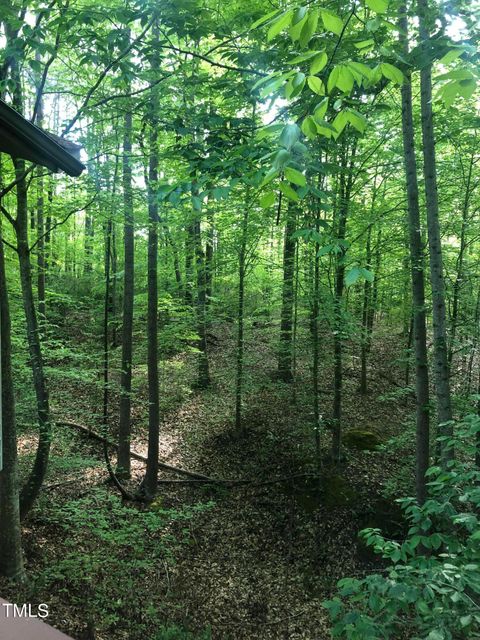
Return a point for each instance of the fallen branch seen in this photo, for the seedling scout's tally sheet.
(194, 477)
(136, 456)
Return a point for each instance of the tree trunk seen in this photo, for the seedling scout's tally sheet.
(441, 368)
(11, 561)
(151, 475)
(285, 371)
(203, 380)
(346, 183)
(240, 318)
(124, 431)
(417, 265)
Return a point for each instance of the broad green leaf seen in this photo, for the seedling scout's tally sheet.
(332, 22)
(264, 19)
(271, 88)
(303, 57)
(281, 159)
(345, 79)
(295, 30)
(379, 6)
(365, 44)
(356, 119)
(391, 72)
(368, 275)
(267, 200)
(295, 176)
(361, 69)
(318, 63)
(269, 130)
(466, 88)
(287, 191)
(289, 136)
(279, 24)
(332, 79)
(321, 110)
(316, 85)
(309, 128)
(339, 123)
(309, 28)
(269, 176)
(295, 85)
(452, 55)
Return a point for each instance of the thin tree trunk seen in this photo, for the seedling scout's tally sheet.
(124, 431)
(461, 255)
(441, 368)
(203, 380)
(346, 183)
(418, 281)
(151, 475)
(241, 319)
(11, 560)
(285, 371)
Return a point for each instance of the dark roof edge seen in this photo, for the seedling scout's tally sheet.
(43, 141)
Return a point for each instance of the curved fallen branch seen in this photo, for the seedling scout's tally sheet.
(194, 477)
(136, 456)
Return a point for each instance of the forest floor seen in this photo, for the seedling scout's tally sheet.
(244, 562)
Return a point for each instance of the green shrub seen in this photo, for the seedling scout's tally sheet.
(431, 587)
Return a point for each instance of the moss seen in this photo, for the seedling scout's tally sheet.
(362, 439)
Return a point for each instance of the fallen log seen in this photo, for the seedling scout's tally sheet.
(136, 456)
(194, 477)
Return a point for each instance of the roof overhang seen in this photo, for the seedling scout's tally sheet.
(17, 624)
(22, 139)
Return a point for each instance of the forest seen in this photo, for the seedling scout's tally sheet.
(240, 318)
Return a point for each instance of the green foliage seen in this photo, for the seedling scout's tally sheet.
(431, 585)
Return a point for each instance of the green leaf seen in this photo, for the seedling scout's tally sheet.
(391, 72)
(295, 85)
(289, 136)
(316, 85)
(293, 175)
(295, 30)
(318, 63)
(279, 24)
(357, 120)
(465, 620)
(309, 28)
(365, 44)
(339, 123)
(332, 22)
(303, 57)
(281, 159)
(267, 200)
(345, 79)
(264, 19)
(352, 276)
(197, 203)
(452, 55)
(309, 128)
(320, 110)
(332, 79)
(287, 191)
(269, 176)
(379, 6)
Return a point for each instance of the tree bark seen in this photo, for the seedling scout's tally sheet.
(151, 475)
(11, 560)
(441, 368)
(417, 263)
(124, 430)
(285, 371)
